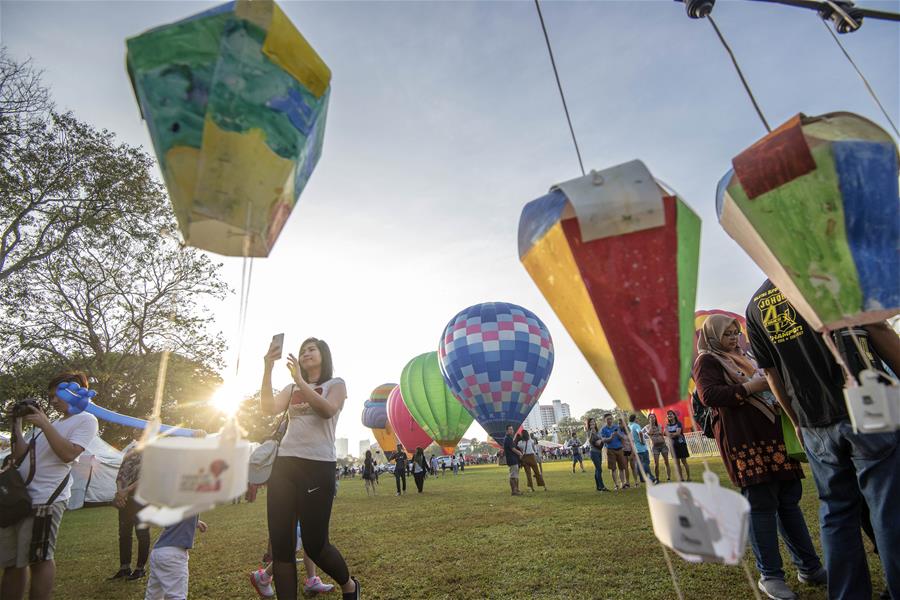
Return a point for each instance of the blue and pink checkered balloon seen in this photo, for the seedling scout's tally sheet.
(496, 358)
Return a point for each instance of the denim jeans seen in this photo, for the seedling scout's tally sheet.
(597, 459)
(774, 507)
(644, 457)
(844, 464)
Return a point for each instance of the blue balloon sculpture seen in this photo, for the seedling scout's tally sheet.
(496, 357)
(79, 400)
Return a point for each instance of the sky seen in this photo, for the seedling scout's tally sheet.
(445, 121)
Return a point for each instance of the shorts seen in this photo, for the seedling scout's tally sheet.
(615, 459)
(660, 449)
(168, 574)
(513, 471)
(24, 544)
(627, 453)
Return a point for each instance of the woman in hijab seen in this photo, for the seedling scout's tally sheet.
(747, 428)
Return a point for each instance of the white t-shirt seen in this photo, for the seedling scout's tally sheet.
(526, 447)
(308, 435)
(49, 470)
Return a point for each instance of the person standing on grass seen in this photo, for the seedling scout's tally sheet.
(653, 432)
(575, 445)
(400, 465)
(30, 544)
(368, 473)
(628, 451)
(434, 465)
(420, 468)
(529, 462)
(747, 429)
(615, 452)
(674, 431)
(595, 442)
(301, 487)
(454, 466)
(169, 570)
(641, 451)
(513, 458)
(850, 469)
(128, 507)
(261, 579)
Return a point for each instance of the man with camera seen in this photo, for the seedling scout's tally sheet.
(44, 459)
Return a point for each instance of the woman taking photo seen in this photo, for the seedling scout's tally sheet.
(301, 487)
(596, 445)
(747, 428)
(654, 433)
(675, 432)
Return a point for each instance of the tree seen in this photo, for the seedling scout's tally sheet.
(594, 413)
(567, 425)
(59, 177)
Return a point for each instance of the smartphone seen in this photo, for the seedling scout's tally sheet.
(278, 342)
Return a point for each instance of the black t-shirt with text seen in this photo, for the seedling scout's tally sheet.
(782, 339)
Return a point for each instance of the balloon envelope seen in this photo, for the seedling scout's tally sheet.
(496, 357)
(374, 416)
(431, 402)
(616, 257)
(235, 100)
(815, 205)
(410, 434)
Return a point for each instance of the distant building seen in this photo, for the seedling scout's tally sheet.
(561, 410)
(548, 416)
(341, 446)
(363, 446)
(533, 420)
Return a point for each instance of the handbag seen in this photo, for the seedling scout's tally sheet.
(15, 502)
(262, 459)
(792, 445)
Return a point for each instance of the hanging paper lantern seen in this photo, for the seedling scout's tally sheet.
(431, 402)
(410, 434)
(815, 205)
(374, 416)
(615, 254)
(496, 357)
(235, 100)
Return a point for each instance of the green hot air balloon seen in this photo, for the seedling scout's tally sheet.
(431, 403)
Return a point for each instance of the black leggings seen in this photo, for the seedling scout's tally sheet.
(127, 522)
(302, 490)
(420, 480)
(398, 475)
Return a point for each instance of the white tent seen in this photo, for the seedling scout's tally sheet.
(94, 474)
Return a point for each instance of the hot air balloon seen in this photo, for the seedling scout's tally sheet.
(235, 100)
(431, 402)
(410, 434)
(496, 357)
(615, 254)
(374, 416)
(834, 178)
(683, 408)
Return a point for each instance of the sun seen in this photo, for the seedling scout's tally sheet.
(226, 400)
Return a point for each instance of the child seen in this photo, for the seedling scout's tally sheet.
(169, 560)
(261, 579)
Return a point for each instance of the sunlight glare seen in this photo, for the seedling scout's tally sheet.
(226, 400)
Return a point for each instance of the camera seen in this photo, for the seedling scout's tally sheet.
(23, 408)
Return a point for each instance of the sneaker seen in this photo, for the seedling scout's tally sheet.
(314, 585)
(817, 577)
(136, 574)
(121, 574)
(626, 486)
(262, 583)
(776, 589)
(355, 594)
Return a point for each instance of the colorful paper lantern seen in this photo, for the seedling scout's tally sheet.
(815, 205)
(615, 254)
(235, 100)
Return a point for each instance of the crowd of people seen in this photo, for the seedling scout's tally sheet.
(790, 373)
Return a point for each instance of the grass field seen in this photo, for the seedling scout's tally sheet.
(465, 538)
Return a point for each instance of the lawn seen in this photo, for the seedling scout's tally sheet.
(465, 538)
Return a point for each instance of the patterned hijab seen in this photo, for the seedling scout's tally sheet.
(739, 368)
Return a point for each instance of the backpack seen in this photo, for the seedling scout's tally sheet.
(703, 416)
